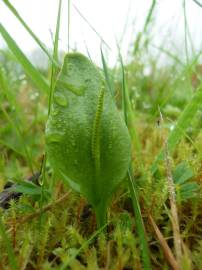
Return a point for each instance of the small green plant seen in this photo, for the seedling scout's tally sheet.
(185, 188)
(87, 141)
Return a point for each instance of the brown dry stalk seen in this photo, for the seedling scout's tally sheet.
(166, 249)
(46, 208)
(173, 207)
(172, 198)
(108, 257)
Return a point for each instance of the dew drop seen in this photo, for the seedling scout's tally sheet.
(87, 80)
(73, 143)
(54, 137)
(69, 66)
(73, 87)
(60, 99)
(76, 163)
(110, 146)
(55, 112)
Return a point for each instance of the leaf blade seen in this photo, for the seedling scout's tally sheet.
(30, 70)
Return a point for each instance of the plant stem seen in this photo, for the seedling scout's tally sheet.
(68, 31)
(173, 206)
(139, 222)
(101, 215)
(166, 249)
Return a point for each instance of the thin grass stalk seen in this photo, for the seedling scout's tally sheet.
(187, 29)
(186, 135)
(198, 3)
(134, 191)
(108, 80)
(129, 115)
(20, 136)
(124, 99)
(87, 50)
(173, 205)
(32, 34)
(68, 29)
(180, 128)
(139, 221)
(168, 53)
(52, 84)
(145, 27)
(125, 27)
(175, 83)
(185, 32)
(29, 69)
(55, 56)
(90, 25)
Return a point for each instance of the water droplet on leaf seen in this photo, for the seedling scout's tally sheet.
(55, 112)
(60, 99)
(76, 162)
(78, 90)
(54, 137)
(87, 80)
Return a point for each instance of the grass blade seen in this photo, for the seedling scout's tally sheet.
(139, 222)
(198, 3)
(129, 117)
(68, 30)
(52, 84)
(30, 70)
(106, 73)
(133, 188)
(23, 23)
(182, 124)
(19, 134)
(11, 255)
(90, 25)
(5, 89)
(146, 26)
(55, 56)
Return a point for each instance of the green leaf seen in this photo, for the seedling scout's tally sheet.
(29, 188)
(108, 79)
(181, 176)
(182, 173)
(86, 137)
(188, 190)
